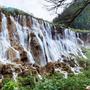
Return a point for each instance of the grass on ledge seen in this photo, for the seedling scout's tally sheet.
(80, 31)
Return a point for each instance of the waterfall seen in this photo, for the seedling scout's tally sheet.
(24, 37)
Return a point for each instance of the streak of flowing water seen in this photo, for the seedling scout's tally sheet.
(48, 46)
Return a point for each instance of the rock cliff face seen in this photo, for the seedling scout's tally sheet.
(26, 40)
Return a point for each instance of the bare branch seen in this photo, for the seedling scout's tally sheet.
(56, 4)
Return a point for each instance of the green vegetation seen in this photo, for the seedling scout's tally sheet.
(12, 11)
(78, 82)
(80, 31)
(9, 85)
(27, 83)
(52, 82)
(88, 60)
(22, 83)
(85, 63)
(83, 20)
(88, 53)
(77, 15)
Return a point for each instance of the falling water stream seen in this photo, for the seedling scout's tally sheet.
(45, 48)
(51, 49)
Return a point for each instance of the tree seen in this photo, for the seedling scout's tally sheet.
(69, 14)
(56, 4)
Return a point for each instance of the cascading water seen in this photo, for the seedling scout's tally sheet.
(49, 49)
(27, 39)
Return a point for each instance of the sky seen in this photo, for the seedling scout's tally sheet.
(34, 7)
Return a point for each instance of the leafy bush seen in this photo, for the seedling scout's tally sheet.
(52, 82)
(78, 82)
(23, 83)
(28, 82)
(9, 85)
